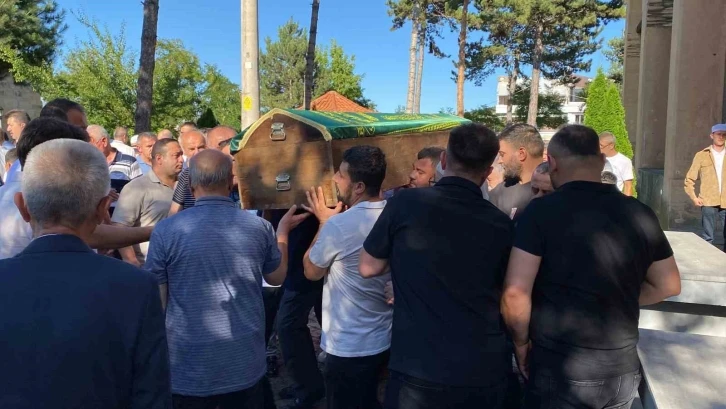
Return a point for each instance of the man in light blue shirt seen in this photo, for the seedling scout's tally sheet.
(210, 283)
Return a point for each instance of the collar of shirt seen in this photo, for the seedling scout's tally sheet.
(14, 174)
(380, 204)
(214, 201)
(155, 179)
(591, 186)
(460, 182)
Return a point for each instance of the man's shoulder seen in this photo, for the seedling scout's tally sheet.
(124, 158)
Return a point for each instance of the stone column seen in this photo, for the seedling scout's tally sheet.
(695, 99)
(631, 68)
(655, 48)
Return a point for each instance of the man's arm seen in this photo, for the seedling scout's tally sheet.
(516, 304)
(662, 280)
(114, 237)
(313, 272)
(182, 185)
(151, 384)
(175, 208)
(127, 214)
(628, 188)
(689, 184)
(287, 223)
(324, 247)
(370, 266)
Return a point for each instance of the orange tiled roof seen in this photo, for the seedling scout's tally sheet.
(331, 101)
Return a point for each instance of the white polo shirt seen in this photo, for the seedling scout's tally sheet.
(622, 168)
(15, 233)
(356, 317)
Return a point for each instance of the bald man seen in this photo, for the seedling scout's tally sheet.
(183, 198)
(192, 142)
(165, 134)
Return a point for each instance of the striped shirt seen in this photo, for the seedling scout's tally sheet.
(212, 257)
(183, 192)
(124, 167)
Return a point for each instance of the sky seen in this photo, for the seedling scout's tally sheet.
(211, 29)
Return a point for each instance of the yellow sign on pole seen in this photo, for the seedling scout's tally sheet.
(247, 103)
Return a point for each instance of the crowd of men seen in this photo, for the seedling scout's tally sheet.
(133, 277)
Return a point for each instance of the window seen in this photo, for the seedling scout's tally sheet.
(579, 119)
(503, 99)
(575, 95)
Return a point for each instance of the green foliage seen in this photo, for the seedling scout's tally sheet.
(604, 112)
(33, 29)
(207, 120)
(487, 116)
(282, 70)
(101, 74)
(549, 109)
(615, 53)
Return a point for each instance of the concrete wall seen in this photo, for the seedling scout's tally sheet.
(631, 68)
(695, 97)
(16, 96)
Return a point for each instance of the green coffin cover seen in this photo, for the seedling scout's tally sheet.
(345, 125)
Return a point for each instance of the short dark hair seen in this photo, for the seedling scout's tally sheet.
(473, 147)
(366, 164)
(160, 147)
(49, 111)
(42, 130)
(11, 156)
(575, 140)
(431, 152)
(523, 135)
(63, 104)
(18, 115)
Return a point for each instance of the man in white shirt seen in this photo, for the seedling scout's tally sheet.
(622, 167)
(120, 140)
(356, 316)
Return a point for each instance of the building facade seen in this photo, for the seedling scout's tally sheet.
(18, 96)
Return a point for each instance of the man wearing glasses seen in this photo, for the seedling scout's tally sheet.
(708, 166)
(620, 165)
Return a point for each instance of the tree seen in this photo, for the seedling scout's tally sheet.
(145, 88)
(32, 28)
(207, 120)
(222, 97)
(549, 105)
(487, 116)
(615, 53)
(310, 54)
(604, 112)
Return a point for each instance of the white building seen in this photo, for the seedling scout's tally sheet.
(574, 106)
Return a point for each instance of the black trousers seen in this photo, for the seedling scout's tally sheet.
(545, 392)
(352, 383)
(271, 298)
(250, 398)
(407, 392)
(297, 344)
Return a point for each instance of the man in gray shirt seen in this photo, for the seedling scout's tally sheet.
(145, 201)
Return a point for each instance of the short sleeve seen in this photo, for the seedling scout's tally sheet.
(627, 170)
(528, 234)
(273, 257)
(128, 207)
(660, 248)
(135, 171)
(328, 245)
(156, 258)
(181, 187)
(379, 242)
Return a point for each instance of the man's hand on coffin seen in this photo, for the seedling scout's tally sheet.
(316, 205)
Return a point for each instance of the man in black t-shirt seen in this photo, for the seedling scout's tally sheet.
(447, 248)
(520, 152)
(584, 259)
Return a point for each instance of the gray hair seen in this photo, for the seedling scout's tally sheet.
(63, 182)
(607, 137)
(210, 173)
(609, 178)
(148, 135)
(97, 130)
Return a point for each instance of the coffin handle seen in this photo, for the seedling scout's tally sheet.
(283, 182)
(277, 132)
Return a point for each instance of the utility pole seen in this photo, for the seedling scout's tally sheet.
(250, 64)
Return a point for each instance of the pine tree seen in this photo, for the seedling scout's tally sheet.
(604, 112)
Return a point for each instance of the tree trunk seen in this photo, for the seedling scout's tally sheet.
(461, 76)
(419, 69)
(512, 87)
(310, 56)
(145, 85)
(536, 70)
(412, 53)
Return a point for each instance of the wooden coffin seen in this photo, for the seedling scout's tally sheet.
(286, 152)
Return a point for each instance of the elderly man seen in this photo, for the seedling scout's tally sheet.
(120, 165)
(585, 258)
(145, 200)
(120, 141)
(15, 233)
(78, 329)
(16, 121)
(620, 165)
(183, 197)
(145, 144)
(448, 347)
(357, 318)
(215, 318)
(520, 152)
(165, 134)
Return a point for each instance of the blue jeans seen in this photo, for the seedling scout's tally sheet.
(708, 220)
(548, 392)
